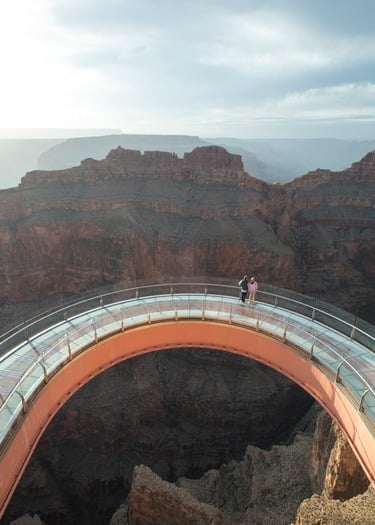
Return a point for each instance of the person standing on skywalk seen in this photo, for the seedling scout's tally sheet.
(252, 288)
(244, 285)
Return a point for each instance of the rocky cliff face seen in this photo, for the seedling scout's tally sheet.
(155, 502)
(331, 216)
(132, 217)
(342, 494)
(265, 487)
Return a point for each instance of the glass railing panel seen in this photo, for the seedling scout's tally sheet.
(279, 316)
(55, 359)
(368, 407)
(9, 413)
(300, 338)
(352, 380)
(365, 327)
(324, 354)
(12, 342)
(30, 382)
(333, 322)
(365, 339)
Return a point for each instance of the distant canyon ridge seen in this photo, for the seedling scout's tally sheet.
(135, 217)
(271, 160)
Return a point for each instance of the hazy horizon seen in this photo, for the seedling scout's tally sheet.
(66, 133)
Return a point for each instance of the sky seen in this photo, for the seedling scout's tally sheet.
(224, 68)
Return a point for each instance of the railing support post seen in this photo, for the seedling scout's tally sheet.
(337, 377)
(360, 407)
(69, 349)
(26, 333)
(95, 332)
(312, 349)
(46, 378)
(24, 404)
(122, 320)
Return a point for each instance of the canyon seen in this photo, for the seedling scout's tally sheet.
(133, 218)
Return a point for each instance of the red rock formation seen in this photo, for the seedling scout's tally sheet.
(265, 488)
(324, 439)
(344, 476)
(344, 492)
(133, 216)
(153, 501)
(319, 510)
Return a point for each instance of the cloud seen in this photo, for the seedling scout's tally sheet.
(192, 66)
(269, 44)
(347, 100)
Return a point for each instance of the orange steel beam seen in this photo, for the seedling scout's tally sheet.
(174, 334)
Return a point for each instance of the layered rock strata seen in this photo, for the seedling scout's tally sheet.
(134, 216)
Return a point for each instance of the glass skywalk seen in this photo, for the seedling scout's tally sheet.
(341, 349)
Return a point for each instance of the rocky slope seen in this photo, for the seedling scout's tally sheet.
(132, 217)
(342, 494)
(264, 488)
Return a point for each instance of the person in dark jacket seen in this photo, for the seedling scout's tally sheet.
(243, 284)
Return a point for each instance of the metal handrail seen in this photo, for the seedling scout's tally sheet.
(234, 318)
(332, 349)
(36, 320)
(342, 360)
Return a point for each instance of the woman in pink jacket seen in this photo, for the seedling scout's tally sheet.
(252, 287)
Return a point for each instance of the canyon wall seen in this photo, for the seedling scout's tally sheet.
(265, 487)
(133, 217)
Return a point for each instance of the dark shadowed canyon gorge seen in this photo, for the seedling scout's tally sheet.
(208, 422)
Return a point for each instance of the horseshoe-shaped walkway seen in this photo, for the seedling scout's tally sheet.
(43, 363)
